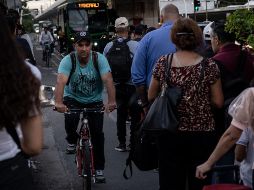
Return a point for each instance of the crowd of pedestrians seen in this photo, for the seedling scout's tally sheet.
(216, 106)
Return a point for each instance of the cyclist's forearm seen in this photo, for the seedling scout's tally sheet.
(58, 95)
(110, 90)
(59, 92)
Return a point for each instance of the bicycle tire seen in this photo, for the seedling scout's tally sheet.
(47, 58)
(87, 177)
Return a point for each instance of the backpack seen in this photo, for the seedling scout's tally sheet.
(143, 152)
(73, 63)
(120, 60)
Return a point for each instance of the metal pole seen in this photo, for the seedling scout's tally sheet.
(185, 8)
(206, 13)
(15, 4)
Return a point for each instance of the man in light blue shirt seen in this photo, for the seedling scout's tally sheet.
(152, 46)
(80, 80)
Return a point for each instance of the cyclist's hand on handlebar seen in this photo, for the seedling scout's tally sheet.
(60, 107)
(111, 106)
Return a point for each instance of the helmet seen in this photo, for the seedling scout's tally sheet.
(207, 31)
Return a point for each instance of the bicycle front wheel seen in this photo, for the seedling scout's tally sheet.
(47, 58)
(87, 175)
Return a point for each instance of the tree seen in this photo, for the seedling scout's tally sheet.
(241, 23)
(27, 20)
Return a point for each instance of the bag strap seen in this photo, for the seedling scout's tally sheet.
(95, 61)
(73, 63)
(168, 68)
(11, 130)
(128, 163)
(73, 66)
(13, 133)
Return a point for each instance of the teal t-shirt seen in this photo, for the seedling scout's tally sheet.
(85, 84)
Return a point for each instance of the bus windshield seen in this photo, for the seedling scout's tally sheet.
(97, 20)
(92, 20)
(78, 20)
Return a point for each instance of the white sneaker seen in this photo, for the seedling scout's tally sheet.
(99, 176)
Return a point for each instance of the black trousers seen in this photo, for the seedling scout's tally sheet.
(127, 104)
(15, 174)
(179, 155)
(95, 121)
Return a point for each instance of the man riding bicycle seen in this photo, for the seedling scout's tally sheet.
(83, 88)
(44, 39)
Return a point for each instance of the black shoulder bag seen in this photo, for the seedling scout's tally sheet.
(162, 115)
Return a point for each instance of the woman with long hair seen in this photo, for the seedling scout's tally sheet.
(20, 115)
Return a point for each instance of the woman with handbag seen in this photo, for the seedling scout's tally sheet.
(182, 149)
(20, 116)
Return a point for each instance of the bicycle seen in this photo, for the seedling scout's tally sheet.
(84, 150)
(47, 53)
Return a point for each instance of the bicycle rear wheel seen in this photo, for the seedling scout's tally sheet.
(87, 175)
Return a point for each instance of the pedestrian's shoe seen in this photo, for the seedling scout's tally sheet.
(128, 148)
(71, 149)
(121, 148)
(99, 177)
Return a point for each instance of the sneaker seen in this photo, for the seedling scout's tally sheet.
(121, 148)
(99, 177)
(71, 149)
(128, 148)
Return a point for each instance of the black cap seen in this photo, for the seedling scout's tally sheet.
(83, 35)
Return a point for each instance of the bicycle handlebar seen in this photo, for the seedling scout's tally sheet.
(86, 110)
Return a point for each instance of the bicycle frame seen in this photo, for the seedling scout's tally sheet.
(85, 137)
(84, 149)
(46, 50)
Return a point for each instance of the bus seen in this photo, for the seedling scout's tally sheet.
(85, 16)
(75, 16)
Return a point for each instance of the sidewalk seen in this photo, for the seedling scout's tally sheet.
(51, 173)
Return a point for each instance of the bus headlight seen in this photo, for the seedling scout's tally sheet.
(72, 38)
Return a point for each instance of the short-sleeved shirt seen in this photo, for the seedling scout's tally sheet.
(247, 140)
(194, 109)
(85, 84)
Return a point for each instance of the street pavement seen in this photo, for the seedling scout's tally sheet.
(54, 170)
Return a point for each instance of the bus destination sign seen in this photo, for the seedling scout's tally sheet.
(89, 5)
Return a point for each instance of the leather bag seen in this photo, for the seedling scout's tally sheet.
(162, 115)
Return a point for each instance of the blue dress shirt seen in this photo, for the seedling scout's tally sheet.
(151, 47)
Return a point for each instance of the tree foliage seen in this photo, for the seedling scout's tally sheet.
(241, 23)
(27, 20)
